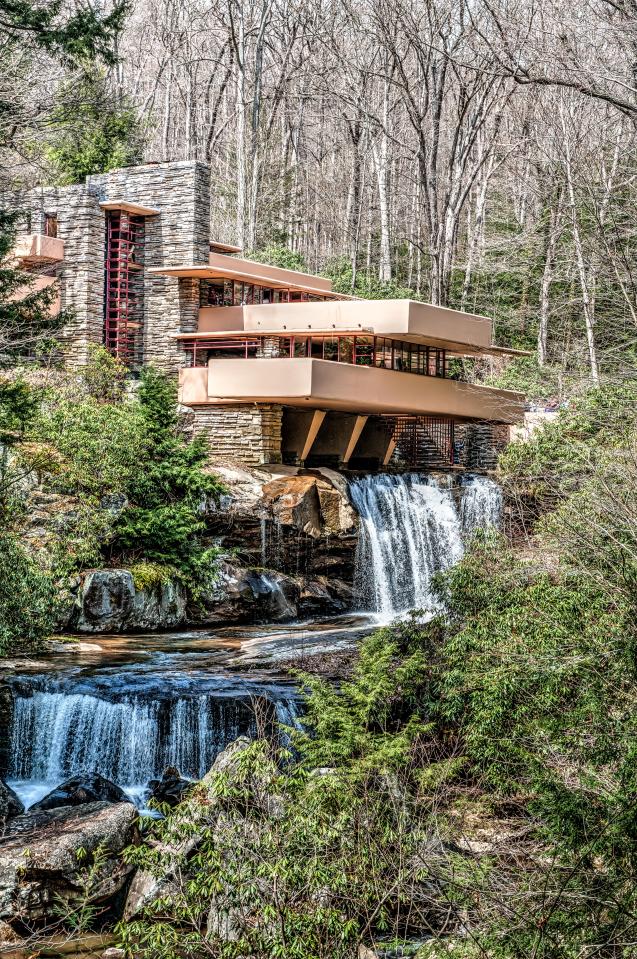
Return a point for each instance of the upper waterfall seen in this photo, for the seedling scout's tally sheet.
(480, 505)
(410, 529)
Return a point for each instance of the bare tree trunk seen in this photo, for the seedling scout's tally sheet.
(380, 150)
(552, 229)
(240, 131)
(167, 116)
(587, 303)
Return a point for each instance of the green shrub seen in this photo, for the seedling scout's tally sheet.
(27, 600)
(147, 575)
(100, 444)
(562, 453)
(277, 254)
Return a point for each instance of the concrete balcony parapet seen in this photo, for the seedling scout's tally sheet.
(326, 385)
(39, 248)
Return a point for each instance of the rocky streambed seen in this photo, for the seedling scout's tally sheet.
(92, 732)
(95, 728)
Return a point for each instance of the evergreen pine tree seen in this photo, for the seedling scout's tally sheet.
(91, 130)
(164, 523)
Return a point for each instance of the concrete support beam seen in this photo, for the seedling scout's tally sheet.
(359, 426)
(315, 425)
(390, 451)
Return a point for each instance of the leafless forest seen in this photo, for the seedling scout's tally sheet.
(480, 153)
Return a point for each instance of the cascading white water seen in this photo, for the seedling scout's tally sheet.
(410, 529)
(57, 734)
(481, 504)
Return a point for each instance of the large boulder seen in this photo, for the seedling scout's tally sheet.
(294, 501)
(317, 505)
(107, 601)
(338, 514)
(44, 857)
(170, 789)
(243, 486)
(79, 790)
(10, 803)
(322, 596)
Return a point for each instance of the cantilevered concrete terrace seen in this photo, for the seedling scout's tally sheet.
(383, 356)
(322, 384)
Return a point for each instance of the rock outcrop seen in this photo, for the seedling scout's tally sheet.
(107, 601)
(248, 595)
(314, 505)
(314, 502)
(170, 789)
(10, 804)
(292, 522)
(288, 534)
(44, 857)
(242, 595)
(79, 790)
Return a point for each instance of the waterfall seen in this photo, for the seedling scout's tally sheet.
(410, 529)
(481, 504)
(60, 733)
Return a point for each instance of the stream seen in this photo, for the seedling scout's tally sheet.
(129, 706)
(132, 705)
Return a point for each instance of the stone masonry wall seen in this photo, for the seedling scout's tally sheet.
(179, 235)
(81, 275)
(249, 434)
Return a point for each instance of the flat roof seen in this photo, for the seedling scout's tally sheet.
(129, 207)
(220, 266)
(237, 272)
(217, 247)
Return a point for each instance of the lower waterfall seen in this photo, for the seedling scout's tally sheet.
(410, 529)
(57, 733)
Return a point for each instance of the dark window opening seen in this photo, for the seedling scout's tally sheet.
(50, 224)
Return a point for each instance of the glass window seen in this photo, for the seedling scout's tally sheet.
(301, 346)
(216, 293)
(383, 353)
(346, 350)
(330, 349)
(50, 224)
(317, 348)
(415, 355)
(364, 352)
(431, 362)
